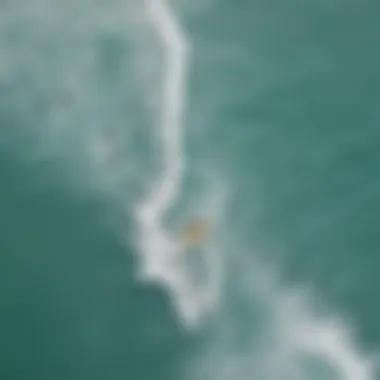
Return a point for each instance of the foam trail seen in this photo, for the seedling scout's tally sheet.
(176, 47)
(326, 338)
(161, 257)
(281, 345)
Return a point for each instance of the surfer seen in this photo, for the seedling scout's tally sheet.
(195, 232)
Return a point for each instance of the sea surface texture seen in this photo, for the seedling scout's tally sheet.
(124, 121)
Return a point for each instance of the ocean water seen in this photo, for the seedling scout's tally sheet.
(121, 121)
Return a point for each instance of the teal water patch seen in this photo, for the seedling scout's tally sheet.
(70, 307)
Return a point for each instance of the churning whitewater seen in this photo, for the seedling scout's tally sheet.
(163, 259)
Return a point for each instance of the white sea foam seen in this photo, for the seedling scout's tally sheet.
(163, 260)
(281, 340)
(328, 338)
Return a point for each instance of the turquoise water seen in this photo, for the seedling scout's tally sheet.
(121, 121)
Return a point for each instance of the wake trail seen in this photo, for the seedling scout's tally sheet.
(166, 190)
(162, 259)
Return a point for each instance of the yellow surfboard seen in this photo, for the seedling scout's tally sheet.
(195, 232)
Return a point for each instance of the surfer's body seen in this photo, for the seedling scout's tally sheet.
(195, 232)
